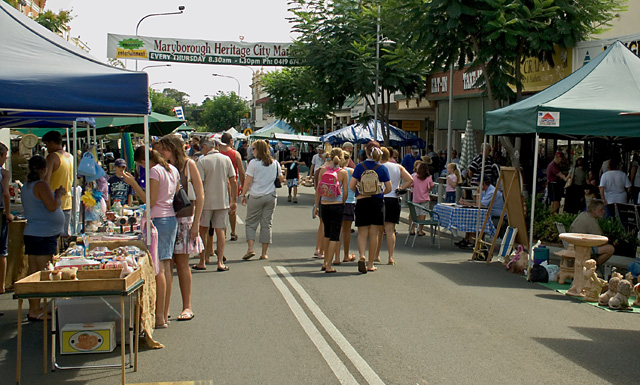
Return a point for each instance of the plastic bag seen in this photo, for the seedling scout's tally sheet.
(87, 166)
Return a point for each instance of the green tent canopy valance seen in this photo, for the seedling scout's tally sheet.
(590, 102)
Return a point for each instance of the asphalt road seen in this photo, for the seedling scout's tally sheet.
(434, 318)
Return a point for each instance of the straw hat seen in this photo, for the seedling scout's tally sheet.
(426, 159)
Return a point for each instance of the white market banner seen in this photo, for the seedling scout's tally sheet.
(199, 51)
(548, 119)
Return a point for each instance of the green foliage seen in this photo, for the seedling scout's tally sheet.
(223, 112)
(293, 97)
(338, 42)
(162, 104)
(54, 21)
(496, 35)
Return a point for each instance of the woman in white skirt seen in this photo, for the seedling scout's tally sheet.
(259, 195)
(188, 241)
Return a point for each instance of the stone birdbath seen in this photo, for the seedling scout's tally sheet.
(583, 244)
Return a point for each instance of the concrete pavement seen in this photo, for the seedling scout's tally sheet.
(434, 318)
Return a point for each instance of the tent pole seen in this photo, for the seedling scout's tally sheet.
(74, 225)
(533, 198)
(147, 191)
(450, 121)
(484, 157)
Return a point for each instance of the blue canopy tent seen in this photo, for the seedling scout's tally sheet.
(45, 79)
(358, 133)
(47, 82)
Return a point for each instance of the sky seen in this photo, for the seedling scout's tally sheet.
(213, 20)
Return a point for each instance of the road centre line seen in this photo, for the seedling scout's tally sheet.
(336, 365)
(363, 367)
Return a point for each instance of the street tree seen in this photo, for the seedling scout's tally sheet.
(497, 35)
(294, 97)
(223, 112)
(160, 103)
(54, 21)
(338, 41)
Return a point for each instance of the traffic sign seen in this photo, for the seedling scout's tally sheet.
(248, 132)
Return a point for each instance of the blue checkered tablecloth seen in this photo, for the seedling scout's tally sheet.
(464, 219)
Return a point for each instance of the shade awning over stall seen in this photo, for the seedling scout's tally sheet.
(44, 78)
(589, 102)
(277, 127)
(359, 133)
(159, 124)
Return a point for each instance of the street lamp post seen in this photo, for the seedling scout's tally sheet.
(254, 90)
(158, 65)
(230, 77)
(153, 84)
(180, 11)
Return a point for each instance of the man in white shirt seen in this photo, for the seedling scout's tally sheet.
(220, 200)
(318, 160)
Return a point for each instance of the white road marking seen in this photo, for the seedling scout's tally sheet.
(336, 365)
(357, 360)
(239, 220)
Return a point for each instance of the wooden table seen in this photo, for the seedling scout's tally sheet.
(583, 244)
(131, 288)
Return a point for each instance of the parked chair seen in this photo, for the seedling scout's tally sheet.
(432, 220)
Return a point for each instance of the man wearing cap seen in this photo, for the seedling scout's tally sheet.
(291, 163)
(118, 188)
(220, 200)
(236, 160)
(556, 180)
(348, 146)
(410, 158)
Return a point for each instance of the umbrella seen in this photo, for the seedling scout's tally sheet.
(159, 124)
(357, 133)
(468, 147)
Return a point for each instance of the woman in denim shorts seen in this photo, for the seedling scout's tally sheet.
(164, 179)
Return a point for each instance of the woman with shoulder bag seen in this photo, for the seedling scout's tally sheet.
(188, 241)
(259, 195)
(164, 181)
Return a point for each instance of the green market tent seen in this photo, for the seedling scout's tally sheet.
(594, 101)
(159, 124)
(589, 102)
(277, 127)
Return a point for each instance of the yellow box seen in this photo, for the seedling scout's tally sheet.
(98, 337)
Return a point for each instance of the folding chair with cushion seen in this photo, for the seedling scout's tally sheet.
(432, 220)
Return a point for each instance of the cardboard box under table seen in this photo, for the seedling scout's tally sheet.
(88, 338)
(90, 283)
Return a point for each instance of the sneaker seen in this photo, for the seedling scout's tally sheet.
(289, 199)
(295, 200)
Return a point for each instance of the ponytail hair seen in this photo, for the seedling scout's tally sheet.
(456, 171)
(336, 156)
(386, 155)
(154, 156)
(373, 150)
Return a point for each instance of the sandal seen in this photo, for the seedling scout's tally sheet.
(186, 316)
(234, 237)
(422, 234)
(372, 268)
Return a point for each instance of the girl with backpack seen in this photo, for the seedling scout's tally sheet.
(370, 181)
(330, 198)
